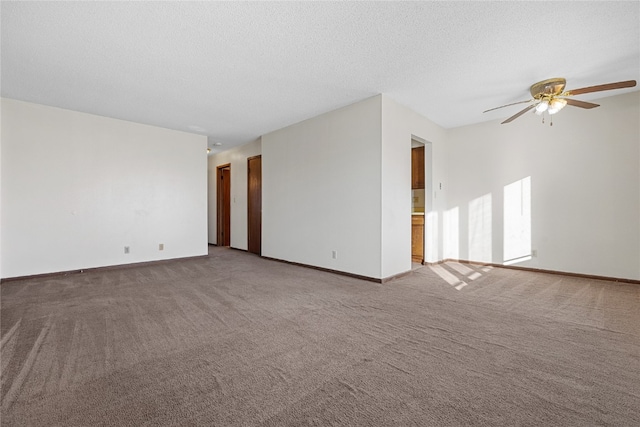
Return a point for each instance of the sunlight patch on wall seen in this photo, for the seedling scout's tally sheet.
(480, 229)
(450, 222)
(517, 221)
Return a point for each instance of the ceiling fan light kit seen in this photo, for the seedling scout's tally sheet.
(556, 105)
(549, 96)
(542, 106)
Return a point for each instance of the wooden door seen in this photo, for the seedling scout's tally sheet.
(224, 205)
(254, 202)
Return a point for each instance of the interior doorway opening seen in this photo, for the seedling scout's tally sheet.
(424, 218)
(417, 200)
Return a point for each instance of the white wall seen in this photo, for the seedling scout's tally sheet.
(0, 190)
(237, 158)
(321, 190)
(399, 125)
(585, 188)
(77, 188)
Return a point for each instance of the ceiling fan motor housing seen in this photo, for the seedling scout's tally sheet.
(548, 88)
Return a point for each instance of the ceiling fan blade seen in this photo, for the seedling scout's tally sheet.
(515, 116)
(580, 104)
(507, 105)
(598, 88)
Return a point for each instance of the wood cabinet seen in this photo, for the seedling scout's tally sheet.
(417, 238)
(417, 168)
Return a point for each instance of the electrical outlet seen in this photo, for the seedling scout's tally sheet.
(161, 247)
(334, 254)
(126, 249)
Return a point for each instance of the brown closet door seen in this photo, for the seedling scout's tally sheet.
(224, 205)
(254, 184)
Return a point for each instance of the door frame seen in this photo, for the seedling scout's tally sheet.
(428, 242)
(223, 216)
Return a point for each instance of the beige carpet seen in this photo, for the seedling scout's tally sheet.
(234, 339)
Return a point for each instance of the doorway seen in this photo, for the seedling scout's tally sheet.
(223, 191)
(254, 204)
(423, 244)
(417, 201)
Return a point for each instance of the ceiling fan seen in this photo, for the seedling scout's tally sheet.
(549, 96)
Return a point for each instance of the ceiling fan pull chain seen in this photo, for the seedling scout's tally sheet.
(551, 121)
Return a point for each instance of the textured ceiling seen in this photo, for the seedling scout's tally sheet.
(234, 71)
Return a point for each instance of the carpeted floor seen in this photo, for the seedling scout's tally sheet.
(237, 340)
